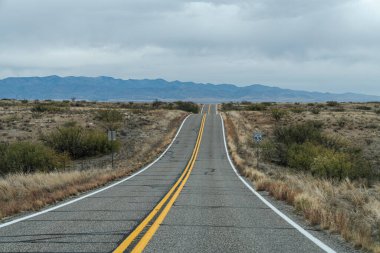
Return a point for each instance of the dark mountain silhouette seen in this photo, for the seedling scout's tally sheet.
(110, 89)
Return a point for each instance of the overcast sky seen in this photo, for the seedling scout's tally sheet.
(324, 45)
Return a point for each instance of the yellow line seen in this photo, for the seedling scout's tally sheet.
(149, 234)
(209, 106)
(126, 243)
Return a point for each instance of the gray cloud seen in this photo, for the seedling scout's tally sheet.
(314, 45)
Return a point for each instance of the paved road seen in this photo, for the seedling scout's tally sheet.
(214, 212)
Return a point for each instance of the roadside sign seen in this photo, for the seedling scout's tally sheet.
(112, 135)
(257, 137)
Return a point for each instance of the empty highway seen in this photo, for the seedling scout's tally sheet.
(189, 200)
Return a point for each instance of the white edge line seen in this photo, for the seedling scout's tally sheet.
(216, 108)
(282, 215)
(97, 191)
(202, 108)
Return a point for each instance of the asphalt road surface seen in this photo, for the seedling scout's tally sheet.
(211, 209)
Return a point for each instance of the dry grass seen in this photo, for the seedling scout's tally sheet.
(349, 208)
(24, 192)
(148, 133)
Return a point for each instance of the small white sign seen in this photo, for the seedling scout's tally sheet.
(257, 137)
(112, 135)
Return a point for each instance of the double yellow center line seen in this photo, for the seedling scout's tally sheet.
(151, 223)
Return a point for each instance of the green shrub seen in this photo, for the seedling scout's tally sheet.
(331, 164)
(364, 107)
(277, 114)
(299, 133)
(79, 142)
(268, 150)
(29, 157)
(342, 121)
(328, 163)
(257, 107)
(170, 106)
(186, 106)
(5, 103)
(297, 110)
(40, 108)
(332, 103)
(157, 104)
(315, 110)
(301, 156)
(109, 115)
(337, 143)
(305, 147)
(228, 106)
(110, 118)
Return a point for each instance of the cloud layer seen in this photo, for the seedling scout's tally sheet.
(325, 45)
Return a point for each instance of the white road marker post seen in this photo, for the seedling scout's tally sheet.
(257, 137)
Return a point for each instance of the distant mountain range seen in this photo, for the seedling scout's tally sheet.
(110, 89)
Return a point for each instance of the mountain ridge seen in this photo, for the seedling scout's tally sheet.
(105, 88)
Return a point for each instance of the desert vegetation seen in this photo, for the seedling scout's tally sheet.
(50, 150)
(79, 142)
(322, 158)
(27, 157)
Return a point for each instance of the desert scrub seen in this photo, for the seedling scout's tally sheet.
(348, 207)
(32, 191)
(228, 106)
(363, 107)
(257, 107)
(332, 103)
(315, 110)
(186, 106)
(297, 109)
(157, 104)
(79, 142)
(302, 156)
(110, 118)
(305, 147)
(278, 114)
(298, 133)
(342, 121)
(27, 157)
(41, 108)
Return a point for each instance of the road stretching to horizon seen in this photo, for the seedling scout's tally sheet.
(189, 200)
